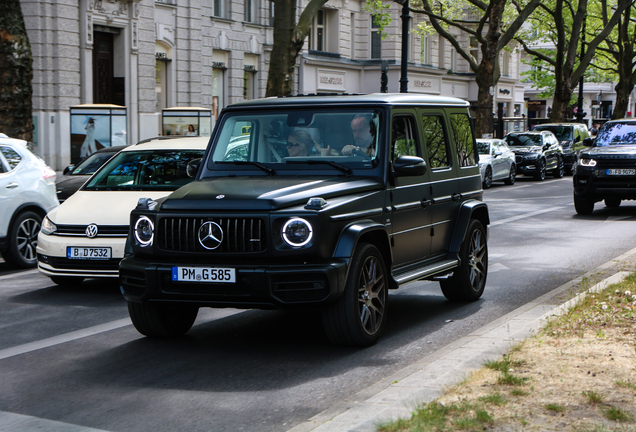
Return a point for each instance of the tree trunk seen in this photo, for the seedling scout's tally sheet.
(285, 50)
(623, 88)
(16, 73)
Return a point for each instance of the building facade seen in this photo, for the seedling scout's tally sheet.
(148, 55)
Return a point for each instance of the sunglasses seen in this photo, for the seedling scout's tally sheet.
(292, 144)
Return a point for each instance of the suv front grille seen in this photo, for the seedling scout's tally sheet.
(180, 234)
(616, 163)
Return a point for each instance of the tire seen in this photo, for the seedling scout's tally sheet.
(583, 206)
(359, 316)
(540, 170)
(162, 320)
(512, 176)
(67, 280)
(559, 172)
(469, 279)
(612, 202)
(487, 178)
(23, 239)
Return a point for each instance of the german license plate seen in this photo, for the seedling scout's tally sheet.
(204, 274)
(623, 171)
(88, 253)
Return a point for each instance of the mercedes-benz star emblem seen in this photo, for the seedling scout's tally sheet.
(220, 196)
(91, 231)
(210, 235)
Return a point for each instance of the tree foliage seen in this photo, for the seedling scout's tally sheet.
(16, 73)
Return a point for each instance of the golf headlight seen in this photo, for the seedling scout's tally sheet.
(48, 227)
(144, 231)
(297, 232)
(588, 162)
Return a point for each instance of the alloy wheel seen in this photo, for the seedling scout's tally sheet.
(372, 295)
(27, 239)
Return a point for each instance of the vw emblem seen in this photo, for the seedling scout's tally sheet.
(220, 196)
(210, 235)
(91, 231)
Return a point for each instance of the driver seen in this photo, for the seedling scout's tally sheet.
(363, 130)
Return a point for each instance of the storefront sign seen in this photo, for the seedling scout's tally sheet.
(424, 84)
(331, 80)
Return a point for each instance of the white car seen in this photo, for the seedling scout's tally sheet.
(496, 162)
(27, 193)
(85, 236)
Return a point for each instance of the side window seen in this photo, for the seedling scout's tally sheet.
(435, 141)
(12, 157)
(403, 138)
(460, 124)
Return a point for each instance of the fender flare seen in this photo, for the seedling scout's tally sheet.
(352, 233)
(471, 209)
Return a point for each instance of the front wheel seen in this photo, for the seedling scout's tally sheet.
(23, 240)
(583, 206)
(487, 178)
(358, 317)
(163, 320)
(469, 279)
(539, 170)
(512, 176)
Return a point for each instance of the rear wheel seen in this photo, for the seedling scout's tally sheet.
(162, 320)
(487, 178)
(358, 317)
(67, 280)
(469, 279)
(512, 176)
(539, 170)
(23, 240)
(559, 172)
(583, 206)
(612, 202)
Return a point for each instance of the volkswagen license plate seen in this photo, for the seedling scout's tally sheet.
(88, 253)
(203, 274)
(622, 171)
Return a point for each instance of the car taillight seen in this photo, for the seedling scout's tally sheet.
(49, 175)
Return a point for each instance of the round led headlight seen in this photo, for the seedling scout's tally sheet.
(588, 162)
(144, 231)
(297, 232)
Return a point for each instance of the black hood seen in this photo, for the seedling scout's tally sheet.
(611, 152)
(262, 193)
(68, 185)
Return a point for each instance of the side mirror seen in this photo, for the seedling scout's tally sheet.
(589, 142)
(497, 153)
(193, 167)
(409, 166)
(68, 169)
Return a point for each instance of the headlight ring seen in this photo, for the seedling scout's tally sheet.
(587, 162)
(144, 231)
(297, 232)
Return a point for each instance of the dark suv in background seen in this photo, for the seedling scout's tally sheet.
(607, 170)
(536, 153)
(322, 203)
(571, 137)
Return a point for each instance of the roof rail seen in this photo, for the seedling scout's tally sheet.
(323, 94)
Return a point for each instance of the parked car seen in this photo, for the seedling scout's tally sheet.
(537, 153)
(571, 137)
(607, 170)
(496, 162)
(76, 175)
(374, 207)
(27, 193)
(85, 236)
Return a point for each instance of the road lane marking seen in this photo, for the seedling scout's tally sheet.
(18, 422)
(12, 275)
(60, 339)
(524, 216)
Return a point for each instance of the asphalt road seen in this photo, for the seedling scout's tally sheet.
(71, 355)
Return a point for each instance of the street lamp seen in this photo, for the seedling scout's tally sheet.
(404, 81)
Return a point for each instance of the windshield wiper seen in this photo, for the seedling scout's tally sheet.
(265, 168)
(345, 169)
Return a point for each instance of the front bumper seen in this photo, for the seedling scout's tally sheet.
(53, 261)
(262, 286)
(595, 184)
(525, 166)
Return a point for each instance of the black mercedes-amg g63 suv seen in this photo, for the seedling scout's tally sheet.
(322, 202)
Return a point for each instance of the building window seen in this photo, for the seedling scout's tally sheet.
(376, 39)
(250, 14)
(441, 52)
(271, 14)
(162, 75)
(221, 9)
(317, 32)
(218, 88)
(353, 35)
(474, 48)
(505, 64)
(425, 51)
(453, 60)
(249, 82)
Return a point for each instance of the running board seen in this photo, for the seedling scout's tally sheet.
(428, 271)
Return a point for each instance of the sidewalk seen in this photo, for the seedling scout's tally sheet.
(424, 381)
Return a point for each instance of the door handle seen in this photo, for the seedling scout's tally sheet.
(456, 196)
(12, 185)
(426, 202)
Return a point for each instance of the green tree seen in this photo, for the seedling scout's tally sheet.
(16, 73)
(289, 38)
(554, 40)
(492, 24)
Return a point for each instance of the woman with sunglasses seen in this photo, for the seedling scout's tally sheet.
(298, 143)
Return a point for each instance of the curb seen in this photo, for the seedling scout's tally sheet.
(397, 395)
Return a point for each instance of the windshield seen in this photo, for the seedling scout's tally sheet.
(515, 140)
(616, 134)
(147, 170)
(562, 133)
(272, 142)
(483, 147)
(91, 164)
